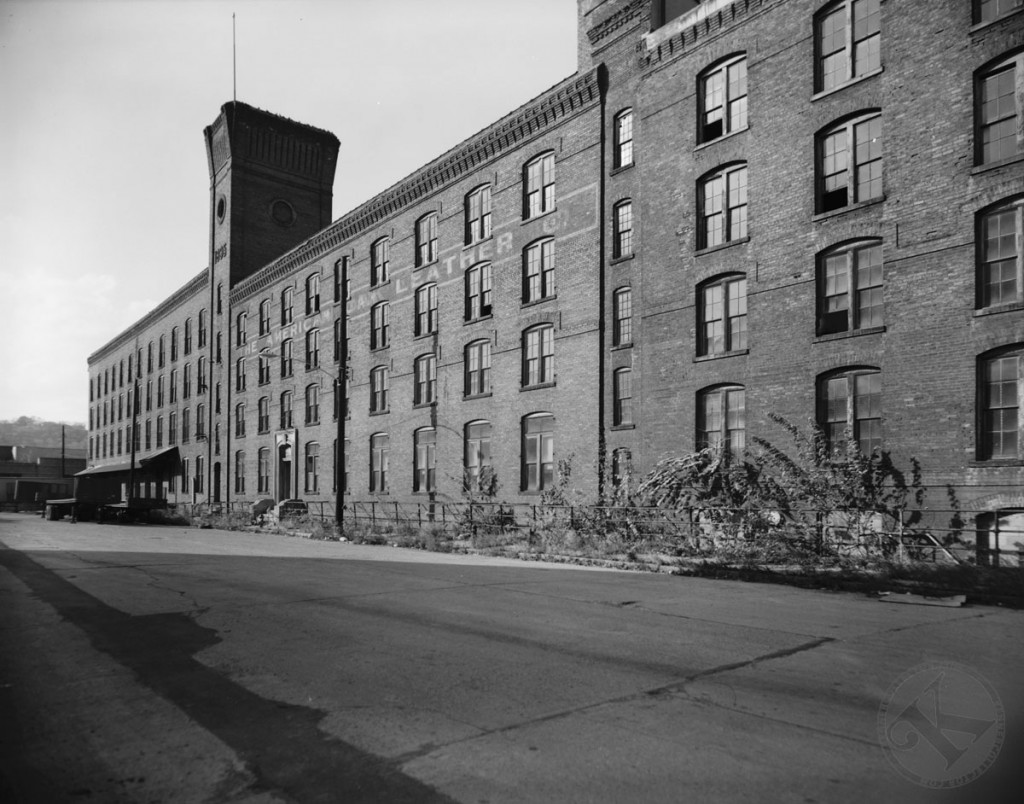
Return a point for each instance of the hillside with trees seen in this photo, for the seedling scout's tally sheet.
(30, 431)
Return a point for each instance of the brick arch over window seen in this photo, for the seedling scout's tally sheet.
(998, 90)
(850, 401)
(722, 97)
(722, 205)
(722, 418)
(849, 161)
(722, 314)
(999, 376)
(849, 287)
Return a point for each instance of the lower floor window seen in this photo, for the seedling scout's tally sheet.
(999, 425)
(538, 469)
(379, 450)
(425, 446)
(722, 419)
(312, 468)
(477, 462)
(850, 402)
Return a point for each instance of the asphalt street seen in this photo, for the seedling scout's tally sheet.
(166, 664)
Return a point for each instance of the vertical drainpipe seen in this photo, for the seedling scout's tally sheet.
(602, 83)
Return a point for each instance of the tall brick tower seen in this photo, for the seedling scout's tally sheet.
(271, 183)
(271, 186)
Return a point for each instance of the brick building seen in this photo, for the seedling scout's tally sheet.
(733, 208)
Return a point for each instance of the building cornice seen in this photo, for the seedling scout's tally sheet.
(626, 15)
(693, 29)
(176, 299)
(562, 101)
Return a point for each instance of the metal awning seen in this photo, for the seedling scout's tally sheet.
(158, 460)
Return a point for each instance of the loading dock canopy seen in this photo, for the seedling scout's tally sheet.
(167, 459)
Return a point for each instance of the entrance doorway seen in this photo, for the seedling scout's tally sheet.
(284, 472)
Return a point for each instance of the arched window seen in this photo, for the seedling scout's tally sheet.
(723, 98)
(722, 314)
(539, 270)
(425, 370)
(379, 459)
(850, 401)
(850, 287)
(477, 469)
(287, 306)
(313, 293)
(380, 256)
(380, 316)
(623, 139)
(240, 334)
(623, 391)
(239, 377)
(850, 162)
(312, 349)
(1000, 253)
(722, 205)
(313, 404)
(622, 330)
(287, 364)
(239, 472)
(998, 91)
(538, 453)
(240, 420)
(263, 409)
(999, 398)
(263, 470)
(477, 362)
(379, 382)
(478, 214)
(539, 186)
(847, 42)
(426, 309)
(286, 411)
(425, 469)
(722, 419)
(426, 239)
(478, 292)
(622, 229)
(312, 474)
(265, 317)
(539, 355)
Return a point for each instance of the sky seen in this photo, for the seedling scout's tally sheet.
(104, 186)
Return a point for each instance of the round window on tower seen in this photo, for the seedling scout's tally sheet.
(222, 208)
(282, 213)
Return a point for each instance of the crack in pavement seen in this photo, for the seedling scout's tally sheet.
(281, 744)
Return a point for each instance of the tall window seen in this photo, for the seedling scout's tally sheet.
(185, 426)
(999, 377)
(379, 258)
(263, 410)
(988, 10)
(337, 340)
(202, 328)
(313, 294)
(172, 428)
(623, 153)
(722, 308)
(478, 292)
(723, 98)
(200, 422)
(1001, 254)
(850, 287)
(851, 401)
(622, 243)
(539, 186)
(539, 355)
(159, 431)
(149, 367)
(263, 470)
(264, 368)
(379, 457)
(313, 404)
(240, 420)
(240, 333)
(380, 315)
(379, 382)
(239, 472)
(539, 271)
(425, 390)
(174, 350)
(287, 364)
(999, 90)
(161, 352)
(622, 332)
(847, 40)
(265, 317)
(312, 349)
(426, 309)
(160, 391)
(239, 376)
(538, 456)
(287, 306)
(722, 419)
(286, 410)
(312, 468)
(425, 470)
(477, 459)
(188, 336)
(218, 351)
(478, 214)
(341, 277)
(850, 163)
(623, 387)
(478, 368)
(723, 206)
(200, 474)
(426, 239)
